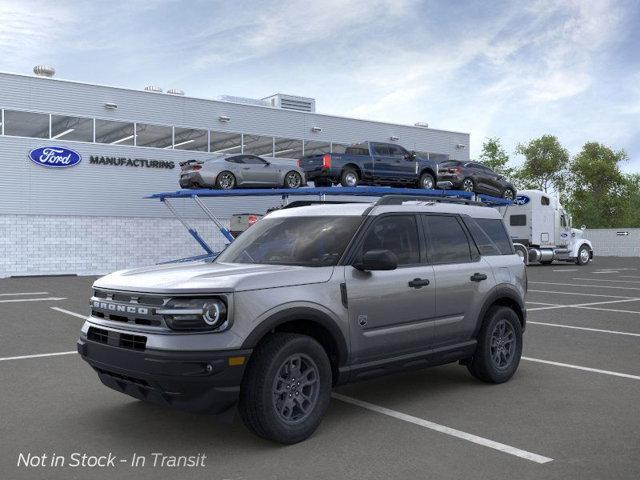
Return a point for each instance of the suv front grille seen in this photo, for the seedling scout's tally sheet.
(128, 308)
(116, 339)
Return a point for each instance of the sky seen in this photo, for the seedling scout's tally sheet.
(514, 70)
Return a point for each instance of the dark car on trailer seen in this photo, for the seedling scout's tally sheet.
(476, 177)
(371, 163)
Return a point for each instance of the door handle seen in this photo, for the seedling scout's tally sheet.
(418, 283)
(246, 168)
(478, 277)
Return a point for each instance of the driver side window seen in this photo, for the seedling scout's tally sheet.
(396, 233)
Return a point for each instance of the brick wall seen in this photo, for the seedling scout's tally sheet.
(607, 242)
(39, 244)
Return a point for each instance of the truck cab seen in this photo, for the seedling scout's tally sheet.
(541, 229)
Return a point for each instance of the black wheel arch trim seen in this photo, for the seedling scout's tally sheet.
(499, 292)
(305, 314)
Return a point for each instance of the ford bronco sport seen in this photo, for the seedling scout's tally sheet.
(309, 298)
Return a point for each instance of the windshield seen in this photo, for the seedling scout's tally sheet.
(303, 241)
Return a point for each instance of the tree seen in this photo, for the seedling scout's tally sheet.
(495, 157)
(599, 193)
(545, 164)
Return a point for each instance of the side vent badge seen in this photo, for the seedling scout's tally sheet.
(362, 320)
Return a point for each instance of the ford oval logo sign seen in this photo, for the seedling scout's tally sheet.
(56, 157)
(521, 200)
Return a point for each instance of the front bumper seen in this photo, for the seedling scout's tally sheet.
(200, 382)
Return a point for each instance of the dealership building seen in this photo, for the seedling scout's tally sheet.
(91, 217)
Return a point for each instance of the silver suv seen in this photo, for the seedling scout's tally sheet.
(309, 298)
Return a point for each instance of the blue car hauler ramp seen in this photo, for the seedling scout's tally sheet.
(198, 194)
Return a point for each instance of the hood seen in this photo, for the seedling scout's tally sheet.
(204, 277)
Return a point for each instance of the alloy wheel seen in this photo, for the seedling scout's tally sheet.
(508, 194)
(584, 255)
(351, 179)
(226, 181)
(296, 388)
(467, 185)
(427, 182)
(503, 344)
(293, 180)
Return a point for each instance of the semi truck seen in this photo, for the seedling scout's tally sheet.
(541, 230)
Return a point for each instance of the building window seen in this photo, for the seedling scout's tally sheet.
(114, 133)
(258, 145)
(287, 148)
(72, 128)
(157, 136)
(312, 147)
(26, 124)
(190, 139)
(224, 142)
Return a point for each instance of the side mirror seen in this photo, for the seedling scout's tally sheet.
(267, 163)
(410, 156)
(377, 260)
(583, 227)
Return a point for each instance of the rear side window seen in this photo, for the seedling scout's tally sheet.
(490, 236)
(381, 149)
(447, 240)
(518, 220)
(397, 233)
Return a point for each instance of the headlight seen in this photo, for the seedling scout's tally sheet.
(195, 314)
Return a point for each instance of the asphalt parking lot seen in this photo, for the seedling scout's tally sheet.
(571, 411)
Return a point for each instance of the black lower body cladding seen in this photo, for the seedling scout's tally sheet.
(199, 382)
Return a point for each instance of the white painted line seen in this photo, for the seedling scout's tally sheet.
(47, 299)
(629, 276)
(73, 314)
(485, 442)
(23, 293)
(23, 357)
(604, 280)
(582, 294)
(616, 310)
(605, 272)
(590, 286)
(553, 307)
(579, 367)
(566, 269)
(598, 330)
(535, 303)
(586, 305)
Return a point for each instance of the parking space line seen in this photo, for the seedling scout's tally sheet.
(73, 314)
(598, 330)
(542, 303)
(582, 294)
(566, 270)
(579, 367)
(608, 309)
(604, 280)
(22, 293)
(586, 305)
(485, 442)
(591, 286)
(39, 355)
(47, 299)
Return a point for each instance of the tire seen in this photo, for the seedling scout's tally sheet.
(484, 364)
(509, 194)
(349, 178)
(427, 181)
(292, 180)
(584, 256)
(322, 182)
(263, 410)
(468, 185)
(225, 180)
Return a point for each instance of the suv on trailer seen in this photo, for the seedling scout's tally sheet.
(309, 298)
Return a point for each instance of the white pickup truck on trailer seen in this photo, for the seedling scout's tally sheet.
(541, 230)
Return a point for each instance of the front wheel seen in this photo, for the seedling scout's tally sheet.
(292, 180)
(584, 255)
(468, 185)
(497, 355)
(286, 389)
(508, 194)
(427, 181)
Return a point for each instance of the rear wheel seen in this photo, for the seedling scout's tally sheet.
(584, 256)
(292, 179)
(497, 355)
(468, 185)
(286, 389)
(225, 180)
(349, 178)
(427, 181)
(508, 194)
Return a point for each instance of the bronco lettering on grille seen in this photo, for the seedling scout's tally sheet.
(115, 307)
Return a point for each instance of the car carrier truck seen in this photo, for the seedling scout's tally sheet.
(541, 230)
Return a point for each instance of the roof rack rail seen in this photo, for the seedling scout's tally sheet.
(392, 199)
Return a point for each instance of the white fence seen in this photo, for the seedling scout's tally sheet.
(614, 242)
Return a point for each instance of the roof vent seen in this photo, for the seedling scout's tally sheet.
(422, 124)
(175, 91)
(292, 102)
(44, 71)
(243, 100)
(153, 88)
